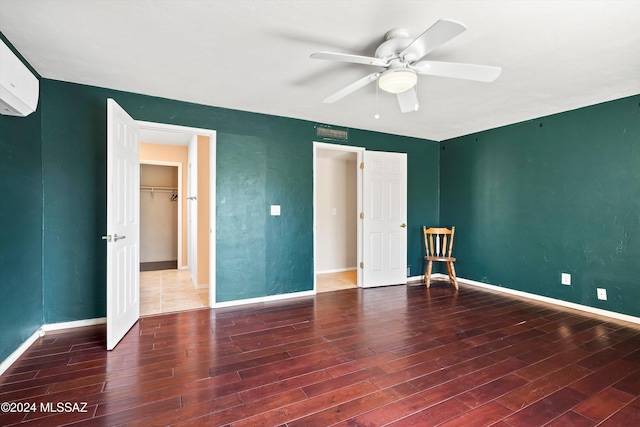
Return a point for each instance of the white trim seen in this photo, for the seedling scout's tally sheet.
(213, 167)
(588, 309)
(337, 270)
(266, 299)
(420, 279)
(174, 128)
(337, 147)
(74, 324)
(6, 364)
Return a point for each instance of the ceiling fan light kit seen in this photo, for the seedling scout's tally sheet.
(398, 80)
(402, 56)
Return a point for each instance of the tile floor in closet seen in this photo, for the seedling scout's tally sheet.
(328, 282)
(165, 291)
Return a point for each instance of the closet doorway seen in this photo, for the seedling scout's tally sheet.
(336, 217)
(168, 281)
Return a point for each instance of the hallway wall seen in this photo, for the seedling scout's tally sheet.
(336, 213)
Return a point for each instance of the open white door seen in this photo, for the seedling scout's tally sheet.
(123, 228)
(384, 234)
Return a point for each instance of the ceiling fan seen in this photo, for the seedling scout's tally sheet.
(402, 58)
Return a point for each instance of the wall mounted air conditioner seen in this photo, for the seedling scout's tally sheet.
(19, 88)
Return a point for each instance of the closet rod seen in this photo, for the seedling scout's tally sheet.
(144, 188)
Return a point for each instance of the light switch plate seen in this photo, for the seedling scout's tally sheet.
(275, 210)
(565, 278)
(602, 293)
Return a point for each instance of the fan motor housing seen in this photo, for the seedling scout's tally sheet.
(395, 41)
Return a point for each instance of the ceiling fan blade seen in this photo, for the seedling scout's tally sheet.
(408, 100)
(480, 73)
(354, 59)
(352, 88)
(438, 34)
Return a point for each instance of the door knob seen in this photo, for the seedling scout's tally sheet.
(107, 237)
(403, 225)
(116, 237)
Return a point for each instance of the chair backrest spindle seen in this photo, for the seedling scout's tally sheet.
(438, 242)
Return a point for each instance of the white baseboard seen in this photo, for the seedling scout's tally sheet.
(74, 324)
(337, 270)
(41, 332)
(264, 299)
(567, 304)
(19, 351)
(419, 279)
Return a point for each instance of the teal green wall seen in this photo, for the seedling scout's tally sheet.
(261, 160)
(557, 194)
(20, 229)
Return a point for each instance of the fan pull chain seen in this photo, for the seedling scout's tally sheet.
(376, 115)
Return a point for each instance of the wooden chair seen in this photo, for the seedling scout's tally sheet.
(438, 243)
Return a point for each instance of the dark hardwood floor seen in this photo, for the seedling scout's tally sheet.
(386, 356)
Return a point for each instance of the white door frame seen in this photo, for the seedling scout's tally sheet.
(179, 225)
(360, 154)
(192, 209)
(212, 191)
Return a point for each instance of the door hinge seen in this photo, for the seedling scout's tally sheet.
(362, 265)
(362, 165)
(361, 215)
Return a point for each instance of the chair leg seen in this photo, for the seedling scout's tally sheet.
(449, 271)
(427, 275)
(453, 273)
(424, 277)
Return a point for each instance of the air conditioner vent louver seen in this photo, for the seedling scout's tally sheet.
(333, 134)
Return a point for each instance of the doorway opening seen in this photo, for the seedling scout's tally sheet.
(336, 207)
(176, 171)
(163, 286)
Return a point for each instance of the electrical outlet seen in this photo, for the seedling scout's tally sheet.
(408, 271)
(602, 293)
(565, 279)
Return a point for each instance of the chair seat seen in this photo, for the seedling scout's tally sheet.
(436, 258)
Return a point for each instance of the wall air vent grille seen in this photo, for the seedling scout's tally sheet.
(332, 134)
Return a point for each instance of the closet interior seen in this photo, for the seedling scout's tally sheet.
(158, 217)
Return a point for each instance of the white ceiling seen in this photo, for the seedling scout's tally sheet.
(254, 55)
